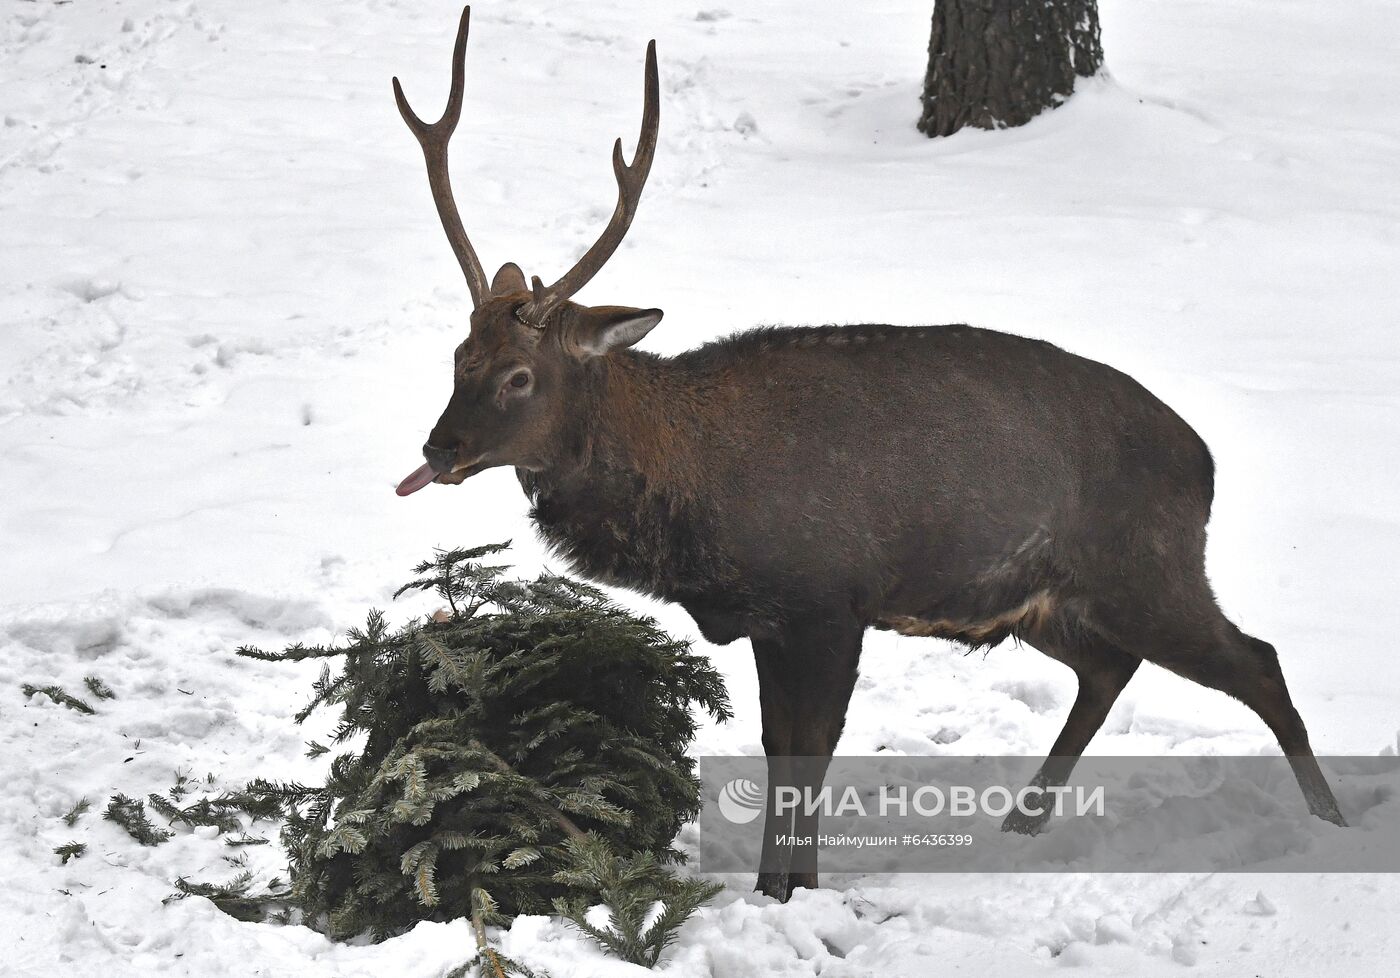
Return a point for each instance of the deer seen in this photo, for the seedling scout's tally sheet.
(798, 486)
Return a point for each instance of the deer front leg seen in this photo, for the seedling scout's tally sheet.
(805, 677)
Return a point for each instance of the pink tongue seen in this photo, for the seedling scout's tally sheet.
(416, 480)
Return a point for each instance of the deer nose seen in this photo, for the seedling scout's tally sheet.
(441, 459)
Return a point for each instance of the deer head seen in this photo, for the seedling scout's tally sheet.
(529, 347)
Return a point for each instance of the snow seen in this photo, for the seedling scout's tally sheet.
(228, 313)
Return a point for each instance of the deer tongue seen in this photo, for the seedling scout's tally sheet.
(416, 480)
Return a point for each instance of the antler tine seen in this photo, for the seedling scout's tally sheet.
(630, 180)
(433, 139)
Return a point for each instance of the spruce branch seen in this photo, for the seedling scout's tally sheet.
(246, 840)
(59, 695)
(80, 808)
(98, 688)
(219, 813)
(130, 814)
(630, 888)
(70, 850)
(233, 897)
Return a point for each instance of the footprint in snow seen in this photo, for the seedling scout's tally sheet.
(1039, 696)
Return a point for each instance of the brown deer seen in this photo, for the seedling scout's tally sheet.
(799, 486)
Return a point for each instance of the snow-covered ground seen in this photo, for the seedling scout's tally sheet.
(228, 312)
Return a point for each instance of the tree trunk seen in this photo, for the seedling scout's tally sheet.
(999, 63)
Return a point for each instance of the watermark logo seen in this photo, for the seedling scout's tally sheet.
(741, 801)
(894, 813)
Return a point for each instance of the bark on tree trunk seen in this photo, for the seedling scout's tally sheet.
(999, 63)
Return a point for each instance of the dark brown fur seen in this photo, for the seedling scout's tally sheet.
(797, 486)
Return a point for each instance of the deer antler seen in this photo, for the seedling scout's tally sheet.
(433, 139)
(630, 179)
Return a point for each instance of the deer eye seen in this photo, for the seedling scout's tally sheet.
(517, 385)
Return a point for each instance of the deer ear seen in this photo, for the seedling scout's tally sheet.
(601, 329)
(509, 279)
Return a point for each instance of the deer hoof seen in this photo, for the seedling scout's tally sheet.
(1023, 824)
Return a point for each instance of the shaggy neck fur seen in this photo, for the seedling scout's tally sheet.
(625, 507)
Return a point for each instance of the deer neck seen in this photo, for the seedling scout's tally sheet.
(627, 509)
(638, 421)
(649, 422)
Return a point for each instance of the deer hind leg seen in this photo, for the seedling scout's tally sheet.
(1186, 632)
(805, 677)
(1103, 670)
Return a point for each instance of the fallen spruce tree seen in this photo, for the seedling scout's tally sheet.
(523, 752)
